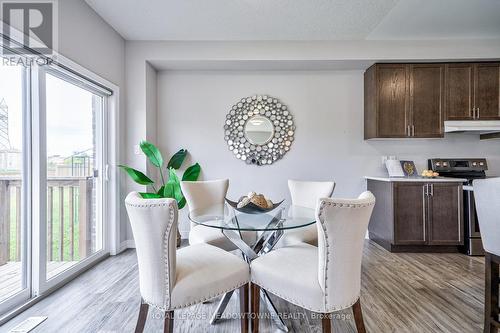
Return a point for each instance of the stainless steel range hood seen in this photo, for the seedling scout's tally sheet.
(474, 126)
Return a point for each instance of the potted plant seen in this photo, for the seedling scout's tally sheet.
(169, 187)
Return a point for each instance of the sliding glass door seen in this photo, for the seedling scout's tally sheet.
(14, 186)
(74, 154)
(52, 179)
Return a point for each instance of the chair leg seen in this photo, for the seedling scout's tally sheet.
(244, 308)
(491, 293)
(255, 307)
(141, 320)
(326, 322)
(168, 323)
(358, 317)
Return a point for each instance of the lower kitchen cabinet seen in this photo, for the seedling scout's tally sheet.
(417, 216)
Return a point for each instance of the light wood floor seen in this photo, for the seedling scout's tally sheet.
(11, 275)
(400, 293)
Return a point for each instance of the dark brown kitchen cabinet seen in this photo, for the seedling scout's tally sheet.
(472, 91)
(404, 101)
(459, 91)
(409, 213)
(487, 91)
(417, 216)
(426, 100)
(386, 104)
(444, 202)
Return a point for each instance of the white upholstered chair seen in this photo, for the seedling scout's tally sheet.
(322, 279)
(305, 194)
(487, 197)
(172, 279)
(201, 196)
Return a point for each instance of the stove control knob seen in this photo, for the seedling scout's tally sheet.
(445, 164)
(474, 163)
(481, 163)
(438, 164)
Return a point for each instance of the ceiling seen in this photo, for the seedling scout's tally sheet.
(301, 19)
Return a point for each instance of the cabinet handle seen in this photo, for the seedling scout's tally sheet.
(473, 113)
(478, 114)
(408, 130)
(424, 206)
(412, 130)
(432, 189)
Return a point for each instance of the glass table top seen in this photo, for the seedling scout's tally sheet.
(223, 216)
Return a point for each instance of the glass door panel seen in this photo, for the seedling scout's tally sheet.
(74, 223)
(13, 184)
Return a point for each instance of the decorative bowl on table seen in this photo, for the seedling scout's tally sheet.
(253, 203)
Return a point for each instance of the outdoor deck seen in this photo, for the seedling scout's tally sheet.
(10, 273)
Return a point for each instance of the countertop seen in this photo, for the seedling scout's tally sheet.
(418, 179)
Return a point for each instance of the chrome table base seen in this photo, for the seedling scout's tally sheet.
(264, 244)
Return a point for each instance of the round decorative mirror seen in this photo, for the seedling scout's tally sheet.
(259, 130)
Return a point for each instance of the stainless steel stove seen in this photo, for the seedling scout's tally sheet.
(470, 169)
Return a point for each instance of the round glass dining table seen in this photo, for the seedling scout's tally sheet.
(269, 226)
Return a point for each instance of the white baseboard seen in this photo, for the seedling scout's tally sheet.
(127, 244)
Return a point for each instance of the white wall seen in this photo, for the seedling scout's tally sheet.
(328, 112)
(272, 56)
(89, 41)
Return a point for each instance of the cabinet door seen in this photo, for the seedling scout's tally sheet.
(445, 221)
(487, 91)
(409, 213)
(426, 100)
(392, 105)
(459, 90)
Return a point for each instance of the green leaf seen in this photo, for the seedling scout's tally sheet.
(177, 160)
(172, 188)
(160, 191)
(167, 191)
(150, 195)
(174, 182)
(182, 203)
(137, 176)
(192, 173)
(152, 153)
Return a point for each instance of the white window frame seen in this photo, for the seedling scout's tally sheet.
(36, 232)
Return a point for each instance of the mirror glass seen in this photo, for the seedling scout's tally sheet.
(259, 130)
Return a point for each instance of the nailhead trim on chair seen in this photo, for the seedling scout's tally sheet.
(167, 305)
(298, 303)
(166, 237)
(327, 243)
(222, 292)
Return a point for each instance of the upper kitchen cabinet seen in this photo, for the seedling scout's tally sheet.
(459, 91)
(386, 107)
(426, 100)
(487, 91)
(472, 91)
(404, 101)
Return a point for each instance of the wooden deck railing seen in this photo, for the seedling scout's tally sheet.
(69, 218)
